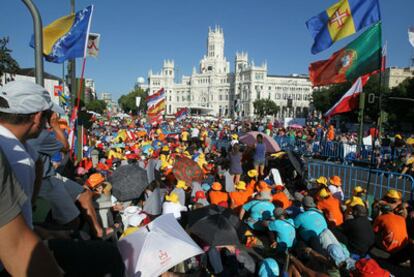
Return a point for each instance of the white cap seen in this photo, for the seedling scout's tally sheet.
(136, 219)
(25, 97)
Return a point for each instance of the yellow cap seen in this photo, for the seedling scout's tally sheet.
(165, 148)
(173, 197)
(181, 184)
(392, 193)
(398, 136)
(252, 173)
(240, 185)
(234, 136)
(322, 180)
(354, 201)
(359, 189)
(324, 193)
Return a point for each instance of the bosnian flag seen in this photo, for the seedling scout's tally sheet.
(349, 100)
(155, 98)
(181, 114)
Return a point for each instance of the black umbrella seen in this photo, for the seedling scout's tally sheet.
(128, 182)
(215, 230)
(296, 162)
(192, 217)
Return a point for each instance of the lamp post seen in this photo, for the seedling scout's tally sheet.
(38, 40)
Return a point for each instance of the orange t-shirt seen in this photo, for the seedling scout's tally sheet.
(217, 197)
(280, 199)
(331, 134)
(393, 231)
(239, 198)
(250, 186)
(331, 207)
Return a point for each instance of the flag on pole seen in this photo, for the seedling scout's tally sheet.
(350, 100)
(93, 45)
(361, 56)
(181, 114)
(411, 35)
(341, 20)
(66, 37)
(155, 98)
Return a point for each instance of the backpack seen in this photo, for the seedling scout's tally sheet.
(368, 268)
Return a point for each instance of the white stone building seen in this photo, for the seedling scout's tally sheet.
(214, 89)
(393, 76)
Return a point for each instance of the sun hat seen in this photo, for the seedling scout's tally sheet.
(95, 180)
(265, 195)
(354, 201)
(165, 148)
(25, 97)
(173, 197)
(322, 180)
(136, 219)
(298, 196)
(269, 268)
(262, 186)
(394, 194)
(206, 187)
(252, 173)
(278, 212)
(308, 202)
(324, 193)
(398, 136)
(240, 185)
(335, 180)
(234, 136)
(181, 184)
(216, 186)
(359, 189)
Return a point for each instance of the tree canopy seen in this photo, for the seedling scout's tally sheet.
(265, 107)
(97, 106)
(7, 63)
(128, 102)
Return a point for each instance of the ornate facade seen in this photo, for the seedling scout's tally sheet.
(213, 89)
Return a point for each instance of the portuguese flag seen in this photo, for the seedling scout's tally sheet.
(358, 58)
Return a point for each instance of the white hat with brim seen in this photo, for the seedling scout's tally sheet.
(25, 97)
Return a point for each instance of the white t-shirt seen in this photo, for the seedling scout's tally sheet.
(22, 161)
(173, 208)
(195, 132)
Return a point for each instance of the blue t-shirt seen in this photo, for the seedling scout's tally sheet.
(259, 209)
(47, 146)
(260, 152)
(310, 223)
(285, 232)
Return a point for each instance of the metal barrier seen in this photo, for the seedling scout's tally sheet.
(339, 151)
(377, 182)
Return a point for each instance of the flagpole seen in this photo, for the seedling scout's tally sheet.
(361, 117)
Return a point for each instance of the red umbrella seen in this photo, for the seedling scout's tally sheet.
(187, 170)
(271, 144)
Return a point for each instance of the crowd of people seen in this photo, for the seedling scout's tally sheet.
(286, 225)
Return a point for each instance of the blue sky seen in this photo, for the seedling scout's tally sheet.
(137, 35)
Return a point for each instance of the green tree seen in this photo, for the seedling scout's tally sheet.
(265, 107)
(323, 99)
(128, 102)
(97, 106)
(400, 110)
(7, 63)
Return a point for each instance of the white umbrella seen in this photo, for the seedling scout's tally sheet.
(157, 247)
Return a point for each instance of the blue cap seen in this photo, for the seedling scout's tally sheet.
(269, 268)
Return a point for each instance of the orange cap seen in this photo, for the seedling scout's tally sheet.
(216, 186)
(335, 180)
(262, 186)
(95, 180)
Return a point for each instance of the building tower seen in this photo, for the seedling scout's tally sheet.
(214, 60)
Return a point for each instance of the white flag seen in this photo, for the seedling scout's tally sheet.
(137, 101)
(93, 45)
(411, 35)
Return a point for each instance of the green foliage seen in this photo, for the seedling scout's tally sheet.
(325, 98)
(97, 106)
(400, 110)
(265, 107)
(128, 102)
(7, 63)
